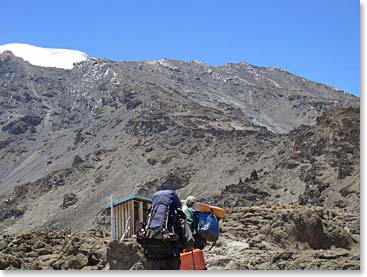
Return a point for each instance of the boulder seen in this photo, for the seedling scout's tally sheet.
(70, 199)
(339, 237)
(71, 262)
(151, 161)
(254, 175)
(49, 259)
(309, 229)
(22, 124)
(77, 161)
(125, 255)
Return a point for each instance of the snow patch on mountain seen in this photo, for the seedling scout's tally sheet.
(47, 57)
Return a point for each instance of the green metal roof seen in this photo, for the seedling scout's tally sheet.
(127, 198)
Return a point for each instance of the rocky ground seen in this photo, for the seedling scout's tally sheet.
(54, 249)
(252, 238)
(280, 237)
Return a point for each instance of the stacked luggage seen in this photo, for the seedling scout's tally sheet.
(208, 228)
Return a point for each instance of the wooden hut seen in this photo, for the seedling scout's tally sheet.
(126, 213)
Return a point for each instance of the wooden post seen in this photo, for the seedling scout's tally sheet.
(122, 218)
(132, 221)
(112, 220)
(141, 211)
(127, 214)
(115, 221)
(118, 236)
(125, 218)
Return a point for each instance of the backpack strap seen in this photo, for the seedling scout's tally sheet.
(214, 244)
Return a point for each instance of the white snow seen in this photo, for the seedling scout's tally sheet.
(47, 57)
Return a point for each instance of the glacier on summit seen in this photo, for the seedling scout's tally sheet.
(46, 57)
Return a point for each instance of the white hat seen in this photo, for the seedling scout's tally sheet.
(190, 201)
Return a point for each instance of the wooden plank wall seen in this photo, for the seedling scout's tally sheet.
(125, 210)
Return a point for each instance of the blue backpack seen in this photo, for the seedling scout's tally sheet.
(207, 225)
(162, 235)
(163, 216)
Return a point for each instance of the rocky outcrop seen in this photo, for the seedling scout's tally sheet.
(145, 126)
(244, 193)
(331, 145)
(69, 200)
(22, 125)
(309, 229)
(8, 212)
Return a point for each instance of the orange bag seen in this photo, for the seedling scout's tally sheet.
(192, 260)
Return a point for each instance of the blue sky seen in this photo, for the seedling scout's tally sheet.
(316, 39)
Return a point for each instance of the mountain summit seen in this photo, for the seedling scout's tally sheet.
(47, 57)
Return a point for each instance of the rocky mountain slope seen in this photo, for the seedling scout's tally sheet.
(315, 165)
(70, 138)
